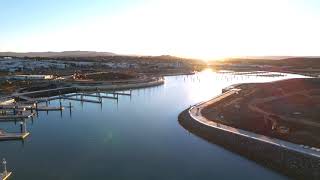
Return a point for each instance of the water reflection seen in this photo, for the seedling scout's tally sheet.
(209, 83)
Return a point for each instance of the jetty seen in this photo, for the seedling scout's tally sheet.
(17, 116)
(5, 136)
(23, 107)
(81, 99)
(121, 93)
(5, 174)
(15, 106)
(6, 100)
(74, 96)
(12, 120)
(99, 96)
(47, 92)
(26, 98)
(13, 136)
(47, 108)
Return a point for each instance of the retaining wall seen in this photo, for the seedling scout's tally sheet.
(294, 164)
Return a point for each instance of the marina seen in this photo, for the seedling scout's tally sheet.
(110, 133)
(159, 90)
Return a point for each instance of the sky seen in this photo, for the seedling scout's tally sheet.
(205, 29)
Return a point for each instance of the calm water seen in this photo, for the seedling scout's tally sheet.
(136, 138)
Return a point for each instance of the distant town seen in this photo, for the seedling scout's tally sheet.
(27, 72)
(19, 68)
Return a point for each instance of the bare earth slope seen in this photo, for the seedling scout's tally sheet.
(288, 110)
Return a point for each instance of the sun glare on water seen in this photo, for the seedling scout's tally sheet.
(205, 85)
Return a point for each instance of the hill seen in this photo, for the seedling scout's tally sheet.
(301, 62)
(57, 54)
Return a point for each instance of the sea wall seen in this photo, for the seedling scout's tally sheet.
(292, 163)
(47, 93)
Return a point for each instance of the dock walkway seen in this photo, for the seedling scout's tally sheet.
(83, 100)
(13, 136)
(18, 116)
(5, 176)
(97, 96)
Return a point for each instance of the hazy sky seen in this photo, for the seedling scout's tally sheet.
(192, 28)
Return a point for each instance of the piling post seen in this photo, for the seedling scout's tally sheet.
(24, 130)
(60, 106)
(4, 162)
(21, 127)
(70, 109)
(14, 110)
(36, 106)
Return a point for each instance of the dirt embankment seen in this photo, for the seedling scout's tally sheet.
(287, 110)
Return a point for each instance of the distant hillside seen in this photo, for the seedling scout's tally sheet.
(95, 56)
(301, 62)
(58, 54)
(262, 57)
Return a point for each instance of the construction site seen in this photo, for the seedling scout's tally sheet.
(287, 110)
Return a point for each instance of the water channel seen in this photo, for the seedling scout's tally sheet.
(136, 137)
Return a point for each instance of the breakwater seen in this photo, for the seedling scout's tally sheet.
(77, 88)
(153, 82)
